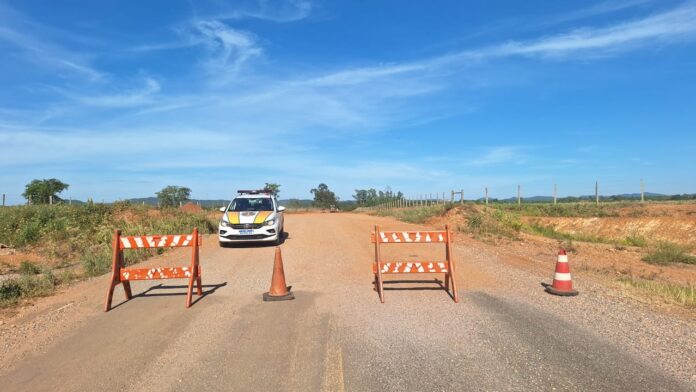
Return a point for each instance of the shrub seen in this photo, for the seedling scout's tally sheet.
(96, 261)
(635, 240)
(668, 253)
(493, 222)
(26, 286)
(28, 268)
(10, 292)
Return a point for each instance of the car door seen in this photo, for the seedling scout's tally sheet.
(279, 214)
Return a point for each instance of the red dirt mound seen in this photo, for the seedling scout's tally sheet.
(191, 207)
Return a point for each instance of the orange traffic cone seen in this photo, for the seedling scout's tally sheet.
(562, 282)
(279, 291)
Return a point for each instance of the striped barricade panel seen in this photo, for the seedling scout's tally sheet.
(412, 267)
(122, 275)
(157, 273)
(158, 241)
(380, 267)
(385, 237)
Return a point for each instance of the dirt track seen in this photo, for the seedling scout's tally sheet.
(506, 334)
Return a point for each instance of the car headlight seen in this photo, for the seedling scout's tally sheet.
(225, 224)
(269, 222)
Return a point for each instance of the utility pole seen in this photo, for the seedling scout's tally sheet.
(462, 200)
(596, 192)
(3, 200)
(642, 191)
(519, 195)
(486, 195)
(50, 199)
(555, 193)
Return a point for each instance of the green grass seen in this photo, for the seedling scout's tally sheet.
(414, 215)
(81, 235)
(551, 232)
(493, 222)
(29, 268)
(26, 286)
(635, 240)
(668, 253)
(583, 210)
(671, 293)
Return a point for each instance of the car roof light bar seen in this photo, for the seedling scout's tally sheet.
(254, 192)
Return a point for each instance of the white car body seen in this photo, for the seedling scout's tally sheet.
(251, 217)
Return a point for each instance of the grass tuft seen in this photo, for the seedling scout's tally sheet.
(670, 293)
(29, 268)
(669, 253)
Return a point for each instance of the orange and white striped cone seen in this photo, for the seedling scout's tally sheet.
(562, 282)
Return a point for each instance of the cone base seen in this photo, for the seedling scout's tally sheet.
(569, 293)
(267, 297)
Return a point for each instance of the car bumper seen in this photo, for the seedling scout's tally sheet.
(226, 234)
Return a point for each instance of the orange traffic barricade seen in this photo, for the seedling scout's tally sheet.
(123, 275)
(381, 267)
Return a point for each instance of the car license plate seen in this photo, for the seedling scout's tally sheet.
(246, 232)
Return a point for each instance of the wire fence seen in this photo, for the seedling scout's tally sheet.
(457, 197)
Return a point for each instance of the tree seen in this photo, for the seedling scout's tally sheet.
(273, 187)
(40, 191)
(172, 196)
(371, 197)
(323, 197)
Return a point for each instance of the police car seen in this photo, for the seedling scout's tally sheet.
(251, 216)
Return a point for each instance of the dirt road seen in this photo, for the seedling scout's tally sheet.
(505, 334)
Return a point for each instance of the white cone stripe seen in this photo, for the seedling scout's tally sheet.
(561, 276)
(562, 258)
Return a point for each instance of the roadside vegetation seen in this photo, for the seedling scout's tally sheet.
(667, 292)
(75, 240)
(414, 215)
(578, 210)
(668, 253)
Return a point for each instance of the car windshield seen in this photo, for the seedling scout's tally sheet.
(252, 204)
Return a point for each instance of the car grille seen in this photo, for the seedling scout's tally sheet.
(247, 226)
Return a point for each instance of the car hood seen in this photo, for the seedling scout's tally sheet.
(236, 217)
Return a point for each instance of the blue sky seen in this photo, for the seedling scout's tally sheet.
(121, 98)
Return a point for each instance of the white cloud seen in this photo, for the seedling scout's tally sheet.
(502, 155)
(229, 48)
(47, 55)
(668, 26)
(274, 11)
(132, 98)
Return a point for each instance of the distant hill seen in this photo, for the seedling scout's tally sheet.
(620, 197)
(350, 204)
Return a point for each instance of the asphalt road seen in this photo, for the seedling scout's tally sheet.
(335, 336)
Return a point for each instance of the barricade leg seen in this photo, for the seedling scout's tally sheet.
(189, 292)
(127, 289)
(380, 288)
(447, 281)
(199, 284)
(109, 296)
(450, 264)
(116, 263)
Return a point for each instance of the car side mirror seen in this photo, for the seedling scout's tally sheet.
(281, 208)
(222, 209)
